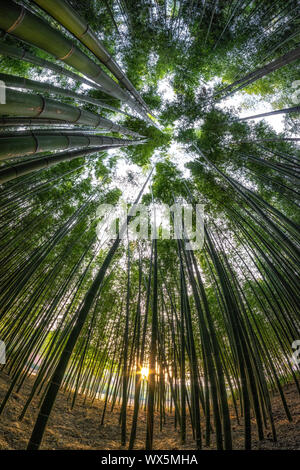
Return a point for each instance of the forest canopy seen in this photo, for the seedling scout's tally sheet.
(154, 102)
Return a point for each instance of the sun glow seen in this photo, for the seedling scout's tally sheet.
(144, 372)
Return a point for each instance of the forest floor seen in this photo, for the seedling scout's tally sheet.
(79, 428)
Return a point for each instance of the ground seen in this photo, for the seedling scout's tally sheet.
(79, 428)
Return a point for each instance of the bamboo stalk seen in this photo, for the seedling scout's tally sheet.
(37, 142)
(14, 171)
(68, 17)
(59, 372)
(36, 106)
(20, 22)
(11, 81)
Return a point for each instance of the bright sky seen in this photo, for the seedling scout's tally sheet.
(165, 89)
(277, 121)
(176, 152)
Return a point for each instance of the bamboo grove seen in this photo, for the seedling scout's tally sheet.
(203, 336)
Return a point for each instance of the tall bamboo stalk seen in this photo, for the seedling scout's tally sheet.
(152, 359)
(68, 17)
(11, 81)
(20, 22)
(14, 171)
(36, 142)
(60, 369)
(36, 106)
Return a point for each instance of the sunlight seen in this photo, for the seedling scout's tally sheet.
(148, 223)
(166, 90)
(240, 101)
(145, 372)
(276, 121)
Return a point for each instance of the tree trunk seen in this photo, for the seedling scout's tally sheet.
(152, 361)
(19, 82)
(17, 20)
(13, 172)
(58, 374)
(37, 142)
(263, 71)
(294, 109)
(68, 17)
(26, 105)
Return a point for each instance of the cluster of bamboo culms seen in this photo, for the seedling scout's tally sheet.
(213, 327)
(28, 109)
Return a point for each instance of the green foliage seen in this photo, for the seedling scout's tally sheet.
(220, 320)
(156, 140)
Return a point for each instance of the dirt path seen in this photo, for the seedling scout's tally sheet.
(79, 428)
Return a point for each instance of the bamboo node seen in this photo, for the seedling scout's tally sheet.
(42, 108)
(79, 116)
(36, 141)
(18, 21)
(85, 32)
(68, 54)
(94, 77)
